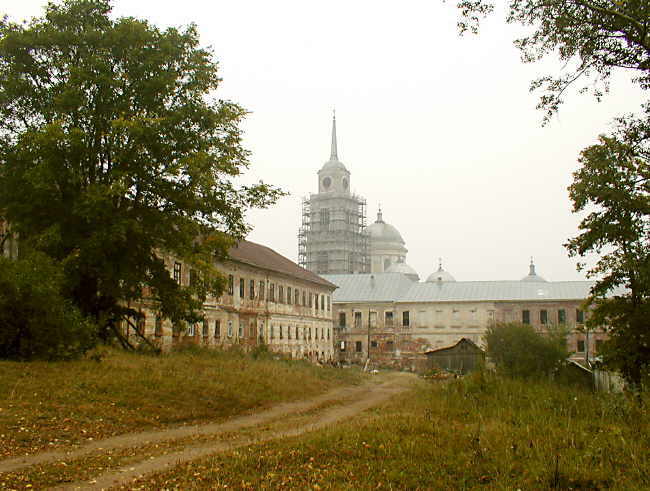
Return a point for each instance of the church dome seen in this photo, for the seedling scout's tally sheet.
(440, 276)
(404, 269)
(333, 165)
(381, 231)
(532, 275)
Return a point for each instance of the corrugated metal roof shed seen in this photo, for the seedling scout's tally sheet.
(395, 287)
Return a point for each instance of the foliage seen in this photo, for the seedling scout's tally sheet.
(113, 154)
(479, 432)
(613, 186)
(519, 350)
(592, 38)
(36, 322)
(58, 404)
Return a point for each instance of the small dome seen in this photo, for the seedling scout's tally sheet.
(440, 276)
(404, 269)
(532, 275)
(333, 165)
(381, 231)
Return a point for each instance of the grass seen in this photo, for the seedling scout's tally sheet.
(480, 432)
(51, 405)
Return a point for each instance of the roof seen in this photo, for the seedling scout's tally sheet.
(368, 287)
(461, 340)
(396, 287)
(264, 257)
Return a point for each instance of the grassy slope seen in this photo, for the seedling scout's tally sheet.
(480, 432)
(47, 405)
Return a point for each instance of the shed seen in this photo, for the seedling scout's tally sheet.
(464, 356)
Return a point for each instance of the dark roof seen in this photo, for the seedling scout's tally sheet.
(462, 340)
(264, 257)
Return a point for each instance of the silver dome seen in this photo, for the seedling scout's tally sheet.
(532, 275)
(440, 276)
(381, 231)
(404, 269)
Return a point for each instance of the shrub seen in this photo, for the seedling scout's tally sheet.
(521, 351)
(36, 321)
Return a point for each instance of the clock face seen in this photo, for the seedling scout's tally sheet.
(345, 183)
(327, 182)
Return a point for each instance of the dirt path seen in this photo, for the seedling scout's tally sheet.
(353, 399)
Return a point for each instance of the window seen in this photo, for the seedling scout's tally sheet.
(328, 303)
(191, 330)
(342, 347)
(599, 345)
(272, 332)
(176, 330)
(281, 294)
(325, 218)
(357, 319)
(390, 345)
(304, 298)
(316, 333)
(388, 316)
(193, 277)
(296, 332)
(261, 330)
(177, 273)
(231, 284)
(297, 302)
(288, 332)
(206, 328)
(140, 324)
(543, 316)
(242, 285)
(261, 293)
(581, 346)
(229, 329)
(328, 334)
(372, 319)
(309, 334)
(158, 329)
(240, 331)
(373, 344)
(251, 290)
(405, 318)
(311, 299)
(272, 292)
(561, 316)
(342, 320)
(525, 316)
(289, 295)
(358, 346)
(217, 329)
(580, 316)
(322, 302)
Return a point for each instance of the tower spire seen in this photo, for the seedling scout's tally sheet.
(334, 154)
(531, 268)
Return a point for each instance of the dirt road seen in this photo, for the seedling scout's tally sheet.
(281, 421)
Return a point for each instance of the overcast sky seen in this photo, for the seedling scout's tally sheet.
(440, 130)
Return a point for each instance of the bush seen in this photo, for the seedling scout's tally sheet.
(519, 350)
(36, 321)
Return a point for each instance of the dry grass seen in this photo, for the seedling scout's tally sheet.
(49, 405)
(480, 432)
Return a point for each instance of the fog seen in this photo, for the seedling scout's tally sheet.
(441, 130)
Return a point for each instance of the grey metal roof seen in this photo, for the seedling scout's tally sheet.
(396, 287)
(375, 287)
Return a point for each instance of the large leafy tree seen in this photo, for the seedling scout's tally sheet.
(593, 38)
(114, 153)
(612, 187)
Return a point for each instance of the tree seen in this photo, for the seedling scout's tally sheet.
(113, 154)
(518, 350)
(613, 185)
(37, 321)
(592, 38)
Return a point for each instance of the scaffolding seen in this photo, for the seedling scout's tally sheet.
(333, 238)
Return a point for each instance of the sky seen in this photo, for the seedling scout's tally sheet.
(440, 130)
